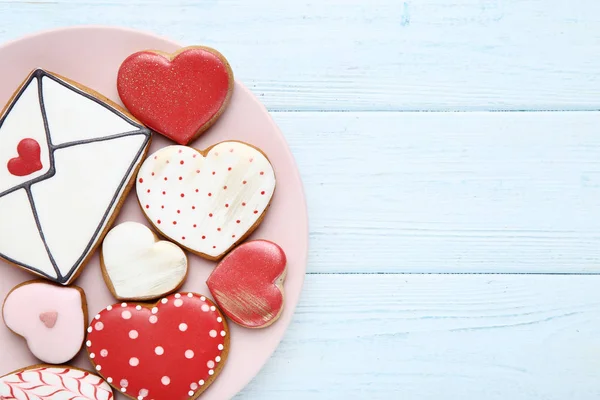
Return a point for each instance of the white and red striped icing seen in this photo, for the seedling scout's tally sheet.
(54, 383)
(206, 203)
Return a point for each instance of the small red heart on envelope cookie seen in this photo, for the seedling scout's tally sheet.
(247, 283)
(172, 350)
(179, 95)
(28, 160)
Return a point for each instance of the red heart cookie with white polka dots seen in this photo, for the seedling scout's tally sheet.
(172, 350)
(206, 201)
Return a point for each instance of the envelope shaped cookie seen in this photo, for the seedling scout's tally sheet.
(67, 158)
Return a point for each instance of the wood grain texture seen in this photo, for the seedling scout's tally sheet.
(431, 337)
(375, 55)
(450, 192)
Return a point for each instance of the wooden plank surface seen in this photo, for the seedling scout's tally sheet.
(371, 55)
(450, 192)
(431, 337)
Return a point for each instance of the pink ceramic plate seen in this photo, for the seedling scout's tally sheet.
(91, 56)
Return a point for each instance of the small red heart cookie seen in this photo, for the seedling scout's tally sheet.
(178, 95)
(172, 350)
(248, 283)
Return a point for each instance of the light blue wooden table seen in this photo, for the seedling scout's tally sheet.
(455, 252)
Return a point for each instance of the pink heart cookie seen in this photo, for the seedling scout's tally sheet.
(51, 318)
(207, 201)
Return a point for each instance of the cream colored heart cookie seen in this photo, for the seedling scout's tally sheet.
(207, 201)
(137, 266)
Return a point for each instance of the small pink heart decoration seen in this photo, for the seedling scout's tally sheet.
(49, 318)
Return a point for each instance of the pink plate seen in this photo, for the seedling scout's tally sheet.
(91, 56)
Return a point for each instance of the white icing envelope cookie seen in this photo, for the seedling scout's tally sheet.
(67, 158)
(207, 201)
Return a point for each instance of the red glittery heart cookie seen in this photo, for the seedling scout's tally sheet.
(248, 283)
(178, 95)
(172, 350)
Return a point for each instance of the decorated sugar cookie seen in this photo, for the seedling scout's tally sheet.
(45, 382)
(138, 266)
(67, 156)
(172, 350)
(206, 201)
(51, 318)
(248, 283)
(178, 95)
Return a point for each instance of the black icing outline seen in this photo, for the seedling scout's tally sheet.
(142, 130)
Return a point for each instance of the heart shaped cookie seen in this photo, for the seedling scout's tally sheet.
(169, 351)
(248, 283)
(51, 318)
(178, 95)
(206, 201)
(137, 266)
(44, 382)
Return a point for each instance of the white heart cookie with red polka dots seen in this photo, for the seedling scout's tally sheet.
(207, 201)
(172, 350)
